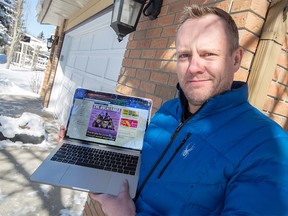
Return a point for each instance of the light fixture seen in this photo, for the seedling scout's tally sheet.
(52, 40)
(125, 16)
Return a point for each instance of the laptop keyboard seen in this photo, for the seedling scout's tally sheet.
(96, 158)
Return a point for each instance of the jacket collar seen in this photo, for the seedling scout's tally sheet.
(237, 95)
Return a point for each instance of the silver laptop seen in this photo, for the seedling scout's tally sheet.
(102, 144)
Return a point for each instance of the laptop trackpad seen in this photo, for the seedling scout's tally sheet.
(85, 178)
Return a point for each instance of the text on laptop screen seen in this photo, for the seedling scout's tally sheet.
(108, 118)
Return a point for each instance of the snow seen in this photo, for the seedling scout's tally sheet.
(17, 81)
(28, 123)
(18, 195)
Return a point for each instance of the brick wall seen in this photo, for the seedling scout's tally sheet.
(276, 105)
(149, 65)
(50, 71)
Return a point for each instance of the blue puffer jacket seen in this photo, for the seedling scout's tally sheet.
(227, 159)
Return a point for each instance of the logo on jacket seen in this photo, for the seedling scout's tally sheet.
(187, 150)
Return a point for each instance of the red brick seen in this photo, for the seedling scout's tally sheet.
(126, 54)
(154, 33)
(283, 75)
(285, 44)
(168, 54)
(157, 102)
(165, 91)
(127, 62)
(143, 44)
(277, 91)
(135, 83)
(224, 5)
(122, 89)
(135, 53)
(278, 119)
(249, 21)
(138, 63)
(147, 87)
(173, 80)
(129, 72)
(153, 64)
(143, 75)
(165, 20)
(248, 40)
(159, 43)
(268, 104)
(149, 53)
(241, 5)
(247, 59)
(159, 77)
(259, 7)
(280, 108)
(177, 6)
(168, 66)
(171, 42)
(138, 35)
(286, 125)
(254, 23)
(164, 10)
(241, 75)
(283, 59)
(142, 25)
(169, 31)
(276, 73)
(122, 79)
(131, 44)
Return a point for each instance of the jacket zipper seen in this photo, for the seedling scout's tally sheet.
(177, 150)
(159, 160)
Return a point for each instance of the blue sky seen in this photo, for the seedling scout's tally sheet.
(32, 26)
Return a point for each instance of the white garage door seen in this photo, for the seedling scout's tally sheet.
(91, 57)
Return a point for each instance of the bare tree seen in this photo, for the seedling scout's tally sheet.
(17, 31)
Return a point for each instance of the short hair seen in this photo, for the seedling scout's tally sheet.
(196, 11)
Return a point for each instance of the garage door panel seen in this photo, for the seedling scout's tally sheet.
(92, 59)
(113, 69)
(86, 42)
(119, 45)
(97, 65)
(77, 80)
(102, 39)
(71, 60)
(75, 43)
(81, 62)
(99, 84)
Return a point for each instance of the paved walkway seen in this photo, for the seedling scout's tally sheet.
(18, 195)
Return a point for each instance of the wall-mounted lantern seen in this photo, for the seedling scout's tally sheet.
(125, 16)
(52, 40)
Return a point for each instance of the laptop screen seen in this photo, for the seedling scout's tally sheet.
(108, 118)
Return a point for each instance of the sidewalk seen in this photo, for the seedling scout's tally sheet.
(18, 195)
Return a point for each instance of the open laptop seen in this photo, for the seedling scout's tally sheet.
(102, 144)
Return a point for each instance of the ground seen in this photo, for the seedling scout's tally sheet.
(22, 116)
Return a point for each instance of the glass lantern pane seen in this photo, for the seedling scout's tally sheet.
(130, 12)
(115, 10)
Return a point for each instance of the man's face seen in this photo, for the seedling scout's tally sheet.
(205, 65)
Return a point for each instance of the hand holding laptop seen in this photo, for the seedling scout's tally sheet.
(101, 144)
(122, 204)
(60, 135)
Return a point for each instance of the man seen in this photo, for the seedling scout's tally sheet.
(208, 152)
